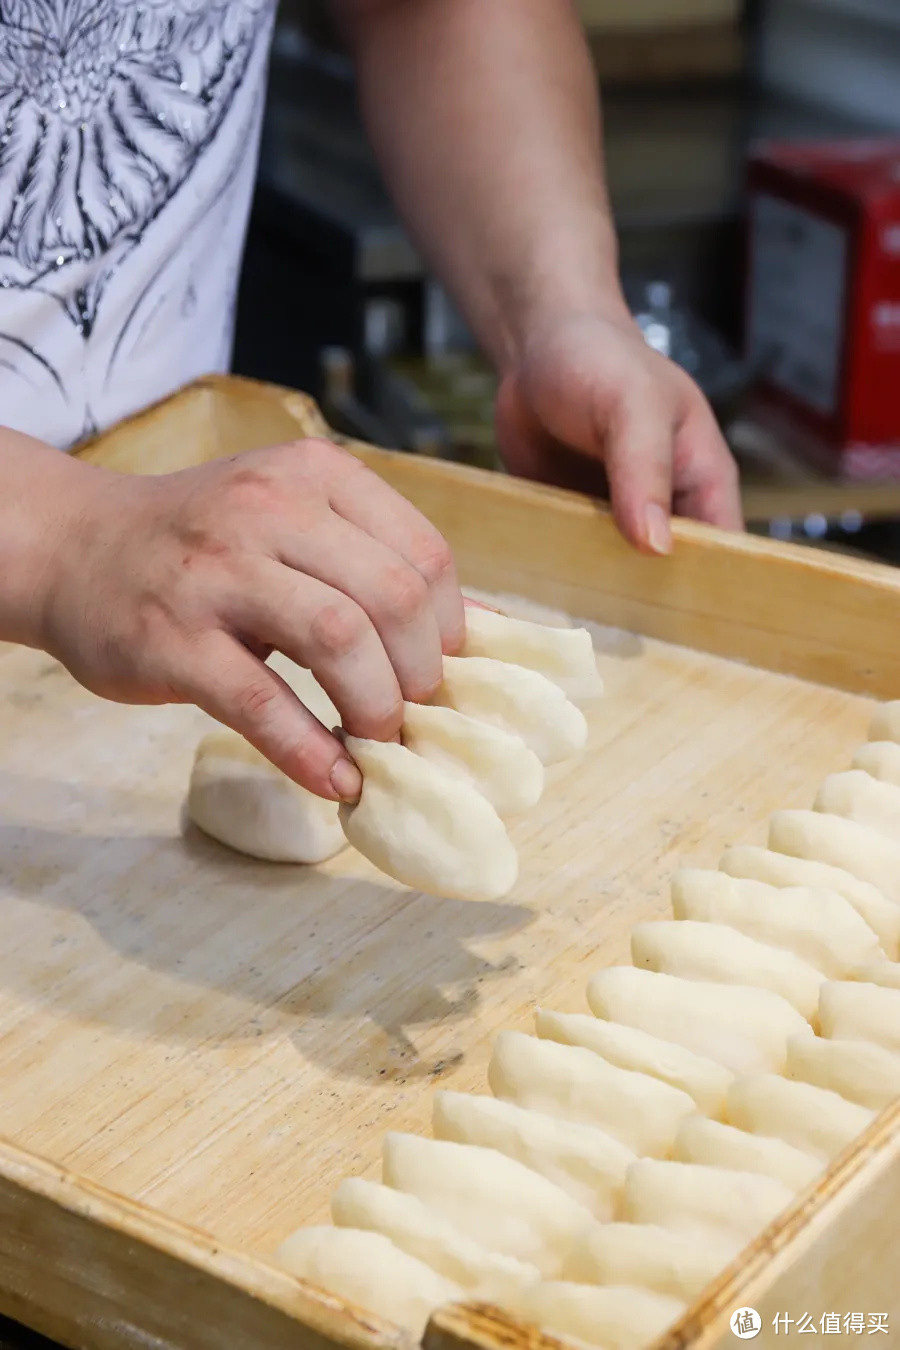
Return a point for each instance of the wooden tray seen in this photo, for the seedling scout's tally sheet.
(195, 1048)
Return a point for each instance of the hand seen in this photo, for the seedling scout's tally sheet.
(592, 385)
(176, 588)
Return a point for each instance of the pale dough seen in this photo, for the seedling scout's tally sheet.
(780, 869)
(613, 1318)
(719, 1145)
(885, 973)
(885, 725)
(499, 765)
(850, 1011)
(881, 759)
(858, 796)
(628, 1048)
(651, 1257)
(520, 701)
(742, 1028)
(715, 951)
(857, 849)
(370, 1272)
(425, 1234)
(564, 655)
(585, 1161)
(239, 798)
(813, 1119)
(859, 1071)
(426, 828)
(695, 1199)
(820, 927)
(641, 1112)
(493, 1199)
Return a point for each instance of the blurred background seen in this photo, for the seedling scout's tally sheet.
(753, 151)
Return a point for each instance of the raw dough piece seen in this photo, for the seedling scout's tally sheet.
(651, 1257)
(238, 797)
(850, 1011)
(885, 725)
(499, 765)
(858, 796)
(709, 1141)
(492, 1199)
(585, 1161)
(810, 1118)
(304, 684)
(818, 926)
(859, 1071)
(628, 1048)
(425, 1234)
(425, 827)
(843, 843)
(520, 701)
(744, 1029)
(885, 973)
(368, 1270)
(575, 1084)
(711, 1202)
(881, 759)
(563, 655)
(714, 951)
(779, 869)
(614, 1318)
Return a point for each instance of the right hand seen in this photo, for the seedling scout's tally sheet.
(176, 588)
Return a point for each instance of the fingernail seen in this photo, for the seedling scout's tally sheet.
(659, 529)
(346, 780)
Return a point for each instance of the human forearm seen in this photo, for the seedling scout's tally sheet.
(485, 117)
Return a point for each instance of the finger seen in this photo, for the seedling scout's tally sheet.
(363, 499)
(529, 451)
(321, 628)
(231, 684)
(388, 589)
(707, 485)
(639, 452)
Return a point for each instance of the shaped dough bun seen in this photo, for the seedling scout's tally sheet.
(304, 684)
(780, 869)
(613, 1318)
(238, 797)
(628, 1048)
(849, 1011)
(859, 1071)
(425, 1234)
(425, 827)
(499, 765)
(695, 1199)
(810, 1118)
(856, 848)
(563, 655)
(576, 1084)
(519, 701)
(860, 797)
(586, 1162)
(820, 927)
(368, 1270)
(651, 1257)
(714, 951)
(719, 1145)
(490, 1198)
(885, 973)
(744, 1029)
(881, 759)
(885, 725)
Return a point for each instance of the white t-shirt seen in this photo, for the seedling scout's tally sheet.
(129, 134)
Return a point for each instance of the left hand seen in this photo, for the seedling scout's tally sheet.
(591, 385)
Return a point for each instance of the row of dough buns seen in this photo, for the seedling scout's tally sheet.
(628, 1154)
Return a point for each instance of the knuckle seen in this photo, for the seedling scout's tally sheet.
(403, 594)
(256, 699)
(432, 558)
(323, 456)
(254, 487)
(337, 629)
